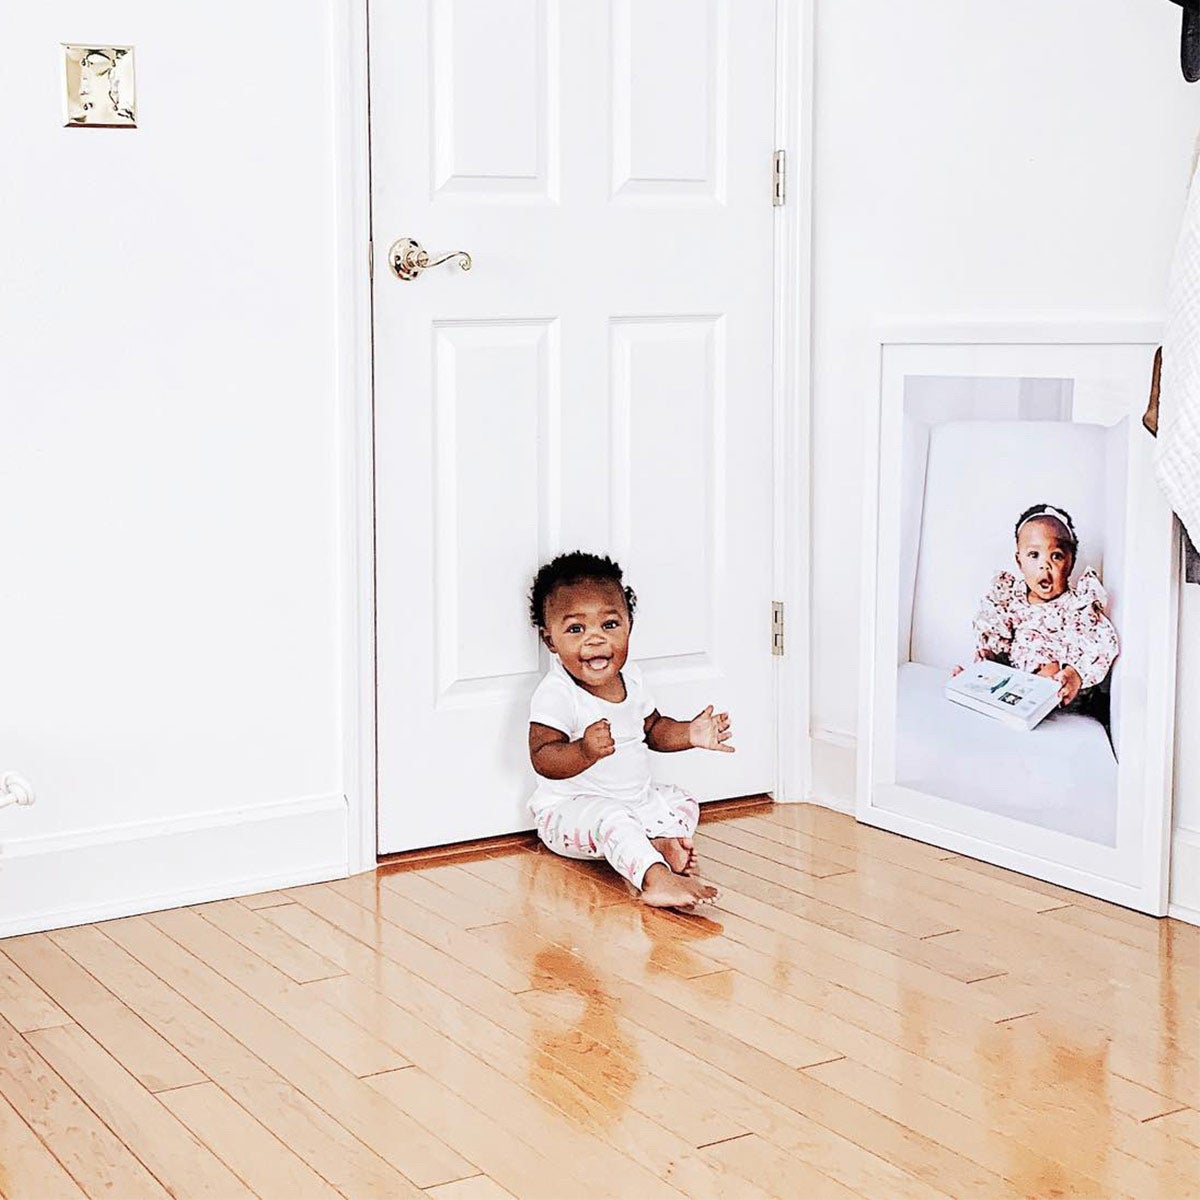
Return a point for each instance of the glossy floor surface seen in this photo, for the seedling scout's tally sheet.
(863, 1016)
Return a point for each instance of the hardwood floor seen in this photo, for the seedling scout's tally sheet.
(862, 1016)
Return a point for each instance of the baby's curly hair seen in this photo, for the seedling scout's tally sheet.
(569, 569)
(1050, 510)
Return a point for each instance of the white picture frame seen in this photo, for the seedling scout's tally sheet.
(908, 758)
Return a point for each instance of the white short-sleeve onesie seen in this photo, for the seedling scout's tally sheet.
(613, 809)
(562, 704)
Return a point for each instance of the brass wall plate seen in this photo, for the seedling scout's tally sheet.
(99, 87)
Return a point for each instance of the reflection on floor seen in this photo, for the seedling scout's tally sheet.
(862, 1016)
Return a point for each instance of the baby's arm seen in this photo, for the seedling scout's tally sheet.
(1094, 648)
(555, 756)
(705, 731)
(993, 624)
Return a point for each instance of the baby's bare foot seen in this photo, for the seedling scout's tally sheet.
(689, 867)
(662, 888)
(677, 852)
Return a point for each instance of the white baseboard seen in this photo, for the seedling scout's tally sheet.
(1185, 876)
(834, 766)
(52, 881)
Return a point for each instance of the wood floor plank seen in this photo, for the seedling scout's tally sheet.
(1173, 945)
(1140, 1102)
(263, 900)
(249, 1149)
(260, 937)
(1103, 965)
(23, 1004)
(684, 1116)
(677, 958)
(851, 893)
(669, 1120)
(744, 1062)
(94, 1157)
(715, 1086)
(1135, 1099)
(874, 1132)
(393, 902)
(1183, 1124)
(488, 1024)
(514, 1093)
(939, 1009)
(587, 1162)
(973, 1108)
(1031, 1171)
(149, 1058)
(663, 1140)
(478, 1187)
(419, 888)
(1000, 905)
(702, 999)
(27, 1167)
(412, 1151)
(515, 1163)
(304, 1127)
(183, 1165)
(746, 893)
(352, 1047)
(737, 833)
(784, 1127)
(775, 1171)
(1054, 896)
(1141, 1056)
(942, 1049)
(822, 825)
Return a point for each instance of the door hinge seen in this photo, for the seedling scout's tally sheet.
(776, 627)
(371, 260)
(779, 179)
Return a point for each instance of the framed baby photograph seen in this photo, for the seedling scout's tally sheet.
(1019, 624)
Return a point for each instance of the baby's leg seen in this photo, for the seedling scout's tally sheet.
(669, 816)
(591, 827)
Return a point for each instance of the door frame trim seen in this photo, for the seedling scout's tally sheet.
(792, 374)
(794, 63)
(355, 426)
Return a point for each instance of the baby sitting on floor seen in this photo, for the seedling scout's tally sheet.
(592, 723)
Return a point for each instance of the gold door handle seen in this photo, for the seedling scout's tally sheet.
(408, 258)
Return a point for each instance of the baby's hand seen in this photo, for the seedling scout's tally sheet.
(1071, 682)
(978, 656)
(1048, 670)
(598, 741)
(710, 731)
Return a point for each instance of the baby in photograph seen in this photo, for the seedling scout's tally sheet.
(592, 723)
(1038, 622)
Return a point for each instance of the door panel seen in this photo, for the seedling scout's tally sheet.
(601, 377)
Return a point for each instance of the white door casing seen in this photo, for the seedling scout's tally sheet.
(601, 378)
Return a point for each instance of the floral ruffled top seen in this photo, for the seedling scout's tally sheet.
(1071, 631)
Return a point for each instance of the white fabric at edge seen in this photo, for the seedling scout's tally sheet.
(1177, 459)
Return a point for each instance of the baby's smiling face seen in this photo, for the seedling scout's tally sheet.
(587, 626)
(1045, 557)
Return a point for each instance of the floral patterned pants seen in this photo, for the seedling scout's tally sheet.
(600, 827)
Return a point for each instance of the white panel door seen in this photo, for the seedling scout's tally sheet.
(601, 378)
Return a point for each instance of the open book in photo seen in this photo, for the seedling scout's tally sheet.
(1016, 698)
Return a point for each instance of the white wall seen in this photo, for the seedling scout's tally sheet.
(168, 552)
(1022, 160)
